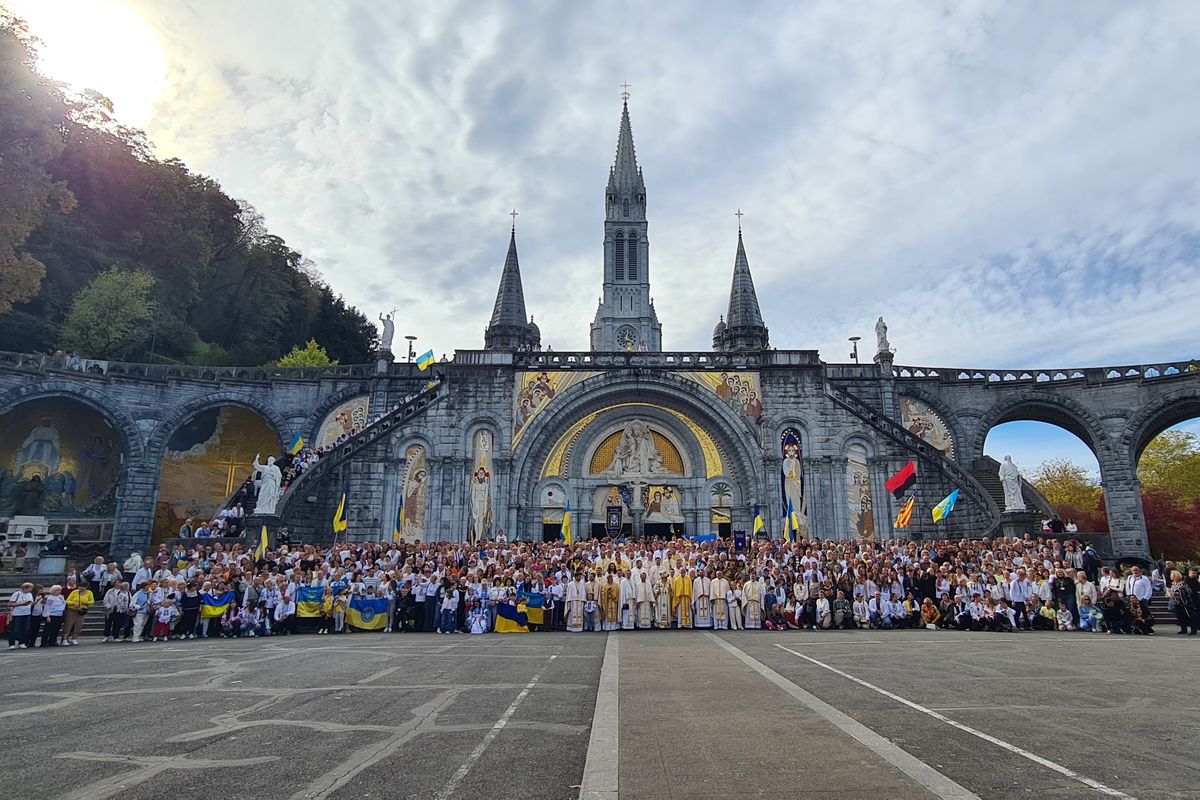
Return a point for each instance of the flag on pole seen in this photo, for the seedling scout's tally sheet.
(425, 361)
(759, 524)
(902, 481)
(399, 526)
(261, 550)
(566, 523)
(943, 509)
(339, 516)
(904, 518)
(297, 444)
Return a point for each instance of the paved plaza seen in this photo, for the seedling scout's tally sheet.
(782, 715)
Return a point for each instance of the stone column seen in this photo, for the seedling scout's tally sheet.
(1123, 500)
(133, 525)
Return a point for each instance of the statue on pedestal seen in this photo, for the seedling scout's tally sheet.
(882, 345)
(389, 330)
(269, 488)
(1010, 479)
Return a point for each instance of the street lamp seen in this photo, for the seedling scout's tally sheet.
(411, 353)
(854, 353)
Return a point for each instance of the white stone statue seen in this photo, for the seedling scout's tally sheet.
(636, 453)
(269, 486)
(882, 345)
(389, 330)
(1010, 479)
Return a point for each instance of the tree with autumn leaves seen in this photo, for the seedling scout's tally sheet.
(1169, 471)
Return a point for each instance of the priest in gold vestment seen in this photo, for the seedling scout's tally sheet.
(681, 599)
(610, 603)
(720, 605)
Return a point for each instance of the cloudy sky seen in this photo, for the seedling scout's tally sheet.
(1009, 184)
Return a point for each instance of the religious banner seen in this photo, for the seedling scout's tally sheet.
(741, 391)
(612, 520)
(662, 504)
(858, 492)
(792, 481)
(479, 505)
(534, 391)
(344, 420)
(923, 422)
(416, 487)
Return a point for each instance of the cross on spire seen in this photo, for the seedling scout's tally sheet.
(739, 215)
(625, 93)
(513, 214)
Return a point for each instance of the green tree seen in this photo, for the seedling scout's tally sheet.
(32, 112)
(311, 355)
(1171, 463)
(111, 316)
(1069, 487)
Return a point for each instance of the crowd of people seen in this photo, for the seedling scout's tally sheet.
(201, 590)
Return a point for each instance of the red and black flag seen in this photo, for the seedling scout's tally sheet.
(902, 481)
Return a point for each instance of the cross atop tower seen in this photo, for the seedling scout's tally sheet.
(739, 216)
(513, 214)
(625, 93)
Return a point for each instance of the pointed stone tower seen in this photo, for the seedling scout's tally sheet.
(626, 319)
(742, 327)
(510, 328)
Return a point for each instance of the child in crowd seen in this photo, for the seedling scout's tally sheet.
(326, 610)
(340, 603)
(589, 610)
(477, 618)
(1066, 622)
(164, 615)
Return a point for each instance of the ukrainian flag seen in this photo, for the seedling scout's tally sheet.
(297, 445)
(793, 526)
(368, 613)
(759, 523)
(566, 525)
(308, 601)
(339, 516)
(399, 526)
(213, 606)
(510, 620)
(534, 604)
(943, 509)
(261, 550)
(425, 361)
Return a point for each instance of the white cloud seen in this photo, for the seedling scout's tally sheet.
(1010, 184)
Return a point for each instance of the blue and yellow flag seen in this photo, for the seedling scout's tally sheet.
(566, 525)
(943, 509)
(425, 361)
(339, 516)
(261, 550)
(534, 606)
(793, 524)
(308, 601)
(297, 445)
(759, 523)
(399, 526)
(213, 606)
(510, 620)
(368, 613)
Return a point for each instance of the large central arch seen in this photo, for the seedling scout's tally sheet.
(671, 395)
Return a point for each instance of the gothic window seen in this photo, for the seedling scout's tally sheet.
(626, 208)
(633, 257)
(619, 252)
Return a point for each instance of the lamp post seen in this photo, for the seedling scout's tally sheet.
(854, 342)
(411, 353)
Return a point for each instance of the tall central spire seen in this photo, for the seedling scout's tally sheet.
(626, 319)
(508, 328)
(743, 327)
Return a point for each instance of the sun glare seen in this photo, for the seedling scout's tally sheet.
(101, 45)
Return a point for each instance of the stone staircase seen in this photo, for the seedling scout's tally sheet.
(986, 472)
(93, 623)
(969, 486)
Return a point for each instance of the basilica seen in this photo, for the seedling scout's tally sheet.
(624, 439)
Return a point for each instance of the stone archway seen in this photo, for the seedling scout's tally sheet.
(1043, 407)
(736, 440)
(1153, 419)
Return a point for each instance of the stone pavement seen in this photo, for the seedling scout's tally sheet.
(756, 714)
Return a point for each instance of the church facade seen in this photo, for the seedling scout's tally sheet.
(625, 438)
